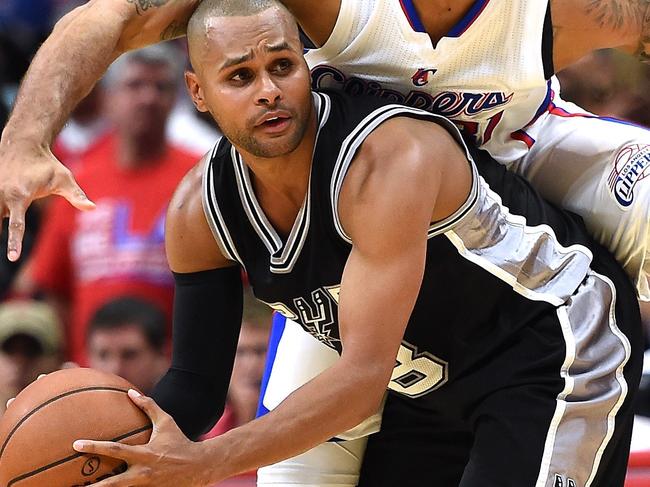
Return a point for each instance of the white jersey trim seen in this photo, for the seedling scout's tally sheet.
(214, 216)
(289, 251)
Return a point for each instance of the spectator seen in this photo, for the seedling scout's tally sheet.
(30, 344)
(85, 127)
(127, 337)
(85, 259)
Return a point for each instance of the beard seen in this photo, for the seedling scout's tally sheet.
(245, 139)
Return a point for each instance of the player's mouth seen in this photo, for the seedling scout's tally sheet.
(274, 122)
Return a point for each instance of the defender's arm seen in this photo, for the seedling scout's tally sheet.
(64, 70)
(581, 26)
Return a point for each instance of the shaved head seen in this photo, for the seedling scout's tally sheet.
(200, 23)
(250, 74)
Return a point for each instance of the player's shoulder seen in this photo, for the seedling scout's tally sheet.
(189, 241)
(189, 191)
(403, 148)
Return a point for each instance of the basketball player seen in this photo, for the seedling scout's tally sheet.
(516, 336)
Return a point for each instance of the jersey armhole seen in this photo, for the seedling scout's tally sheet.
(351, 146)
(547, 44)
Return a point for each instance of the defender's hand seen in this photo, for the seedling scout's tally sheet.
(168, 460)
(27, 174)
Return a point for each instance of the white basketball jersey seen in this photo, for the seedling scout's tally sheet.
(487, 74)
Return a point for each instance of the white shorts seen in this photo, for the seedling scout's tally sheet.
(596, 167)
(295, 357)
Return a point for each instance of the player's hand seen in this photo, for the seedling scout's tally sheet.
(27, 174)
(168, 460)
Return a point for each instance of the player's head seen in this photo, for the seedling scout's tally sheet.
(249, 73)
(31, 343)
(127, 337)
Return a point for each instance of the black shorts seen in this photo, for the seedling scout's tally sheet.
(553, 408)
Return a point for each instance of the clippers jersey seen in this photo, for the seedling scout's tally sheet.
(489, 74)
(489, 269)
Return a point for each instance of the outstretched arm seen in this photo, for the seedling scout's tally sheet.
(581, 26)
(64, 70)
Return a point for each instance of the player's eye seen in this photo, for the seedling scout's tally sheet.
(241, 76)
(283, 66)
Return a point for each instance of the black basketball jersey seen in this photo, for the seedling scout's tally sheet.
(491, 267)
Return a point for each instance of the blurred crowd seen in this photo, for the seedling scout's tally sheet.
(94, 289)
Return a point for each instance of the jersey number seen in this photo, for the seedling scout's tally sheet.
(417, 374)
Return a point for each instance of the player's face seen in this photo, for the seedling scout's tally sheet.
(251, 76)
(142, 98)
(248, 369)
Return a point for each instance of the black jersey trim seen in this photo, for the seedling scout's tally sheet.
(214, 216)
(351, 145)
(547, 44)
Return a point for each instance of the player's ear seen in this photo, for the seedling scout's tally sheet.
(195, 90)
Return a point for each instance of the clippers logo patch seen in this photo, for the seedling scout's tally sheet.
(421, 77)
(631, 165)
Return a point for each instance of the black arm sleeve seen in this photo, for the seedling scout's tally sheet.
(207, 319)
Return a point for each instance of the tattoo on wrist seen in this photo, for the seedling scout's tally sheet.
(173, 30)
(144, 5)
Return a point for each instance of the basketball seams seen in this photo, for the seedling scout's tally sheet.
(50, 401)
(75, 455)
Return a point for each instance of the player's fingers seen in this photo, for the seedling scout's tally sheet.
(10, 401)
(17, 208)
(66, 186)
(149, 406)
(107, 448)
(134, 476)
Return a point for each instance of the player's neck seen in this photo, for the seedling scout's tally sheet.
(281, 183)
(439, 16)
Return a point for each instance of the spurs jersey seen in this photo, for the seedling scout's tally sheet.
(489, 269)
(489, 74)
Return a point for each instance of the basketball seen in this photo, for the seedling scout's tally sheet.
(39, 427)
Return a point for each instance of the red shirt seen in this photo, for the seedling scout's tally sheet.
(115, 250)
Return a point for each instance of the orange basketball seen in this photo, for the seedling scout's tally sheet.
(39, 427)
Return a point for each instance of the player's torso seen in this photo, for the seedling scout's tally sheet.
(469, 275)
(487, 74)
